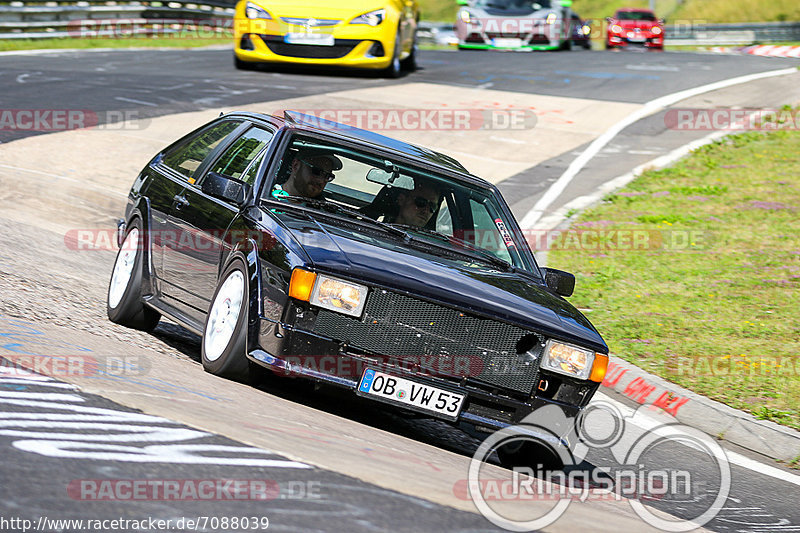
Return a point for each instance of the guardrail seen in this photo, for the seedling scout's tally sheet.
(714, 34)
(34, 19)
(48, 19)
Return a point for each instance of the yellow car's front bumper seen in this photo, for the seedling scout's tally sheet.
(353, 45)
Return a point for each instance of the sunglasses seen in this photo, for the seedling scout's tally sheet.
(421, 202)
(318, 172)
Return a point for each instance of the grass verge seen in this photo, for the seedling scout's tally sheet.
(711, 300)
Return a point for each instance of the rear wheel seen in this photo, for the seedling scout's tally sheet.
(225, 334)
(124, 303)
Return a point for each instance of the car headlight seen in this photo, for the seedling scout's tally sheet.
(253, 11)
(328, 292)
(616, 28)
(587, 30)
(655, 30)
(373, 18)
(551, 18)
(574, 361)
(466, 17)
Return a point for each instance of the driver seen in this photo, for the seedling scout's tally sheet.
(311, 171)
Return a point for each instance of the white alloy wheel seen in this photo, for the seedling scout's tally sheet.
(224, 315)
(123, 268)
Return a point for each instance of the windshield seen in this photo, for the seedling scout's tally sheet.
(635, 15)
(514, 4)
(379, 192)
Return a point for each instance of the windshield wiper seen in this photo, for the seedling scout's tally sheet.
(333, 207)
(485, 255)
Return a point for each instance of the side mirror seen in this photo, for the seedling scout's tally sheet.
(566, 3)
(563, 283)
(225, 188)
(462, 2)
(608, 19)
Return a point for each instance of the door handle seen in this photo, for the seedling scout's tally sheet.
(180, 201)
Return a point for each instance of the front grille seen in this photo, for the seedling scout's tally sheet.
(310, 22)
(340, 48)
(398, 326)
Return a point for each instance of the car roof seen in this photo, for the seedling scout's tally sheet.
(310, 123)
(634, 10)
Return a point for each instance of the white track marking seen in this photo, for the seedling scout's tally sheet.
(651, 424)
(653, 106)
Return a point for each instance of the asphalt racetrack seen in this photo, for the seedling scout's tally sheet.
(282, 455)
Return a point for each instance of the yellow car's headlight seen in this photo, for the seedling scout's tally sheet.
(252, 11)
(373, 18)
(327, 292)
(567, 359)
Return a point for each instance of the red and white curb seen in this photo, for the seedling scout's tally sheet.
(625, 380)
(765, 50)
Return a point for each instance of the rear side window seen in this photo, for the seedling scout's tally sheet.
(189, 155)
(241, 154)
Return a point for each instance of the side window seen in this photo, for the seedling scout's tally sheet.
(252, 172)
(236, 159)
(187, 156)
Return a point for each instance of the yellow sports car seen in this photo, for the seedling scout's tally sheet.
(374, 34)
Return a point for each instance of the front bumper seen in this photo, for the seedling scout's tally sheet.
(288, 349)
(649, 41)
(353, 46)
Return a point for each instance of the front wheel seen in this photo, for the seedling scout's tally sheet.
(124, 302)
(225, 334)
(409, 64)
(394, 68)
(243, 65)
(534, 455)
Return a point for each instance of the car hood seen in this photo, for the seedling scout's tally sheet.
(486, 12)
(320, 8)
(386, 261)
(642, 24)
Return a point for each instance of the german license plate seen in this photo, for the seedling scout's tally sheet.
(394, 389)
(507, 42)
(319, 39)
(636, 38)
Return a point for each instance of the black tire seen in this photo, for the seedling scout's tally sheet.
(409, 64)
(538, 456)
(243, 65)
(394, 69)
(127, 308)
(226, 356)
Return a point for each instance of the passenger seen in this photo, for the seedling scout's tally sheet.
(415, 208)
(311, 171)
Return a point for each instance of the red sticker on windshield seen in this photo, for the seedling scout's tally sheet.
(501, 227)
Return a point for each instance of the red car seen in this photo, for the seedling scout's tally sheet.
(634, 27)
